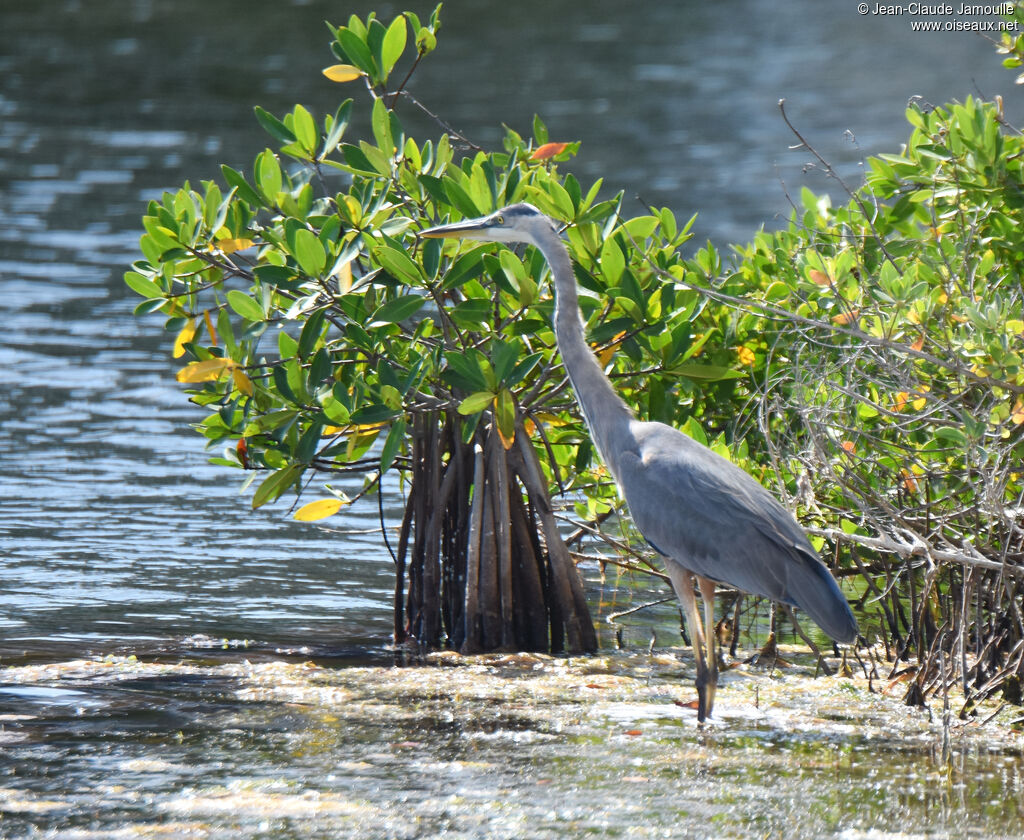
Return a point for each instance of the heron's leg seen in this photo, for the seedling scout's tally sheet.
(682, 583)
(707, 593)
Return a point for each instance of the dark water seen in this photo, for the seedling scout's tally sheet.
(114, 532)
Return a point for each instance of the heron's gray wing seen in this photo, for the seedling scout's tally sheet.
(707, 514)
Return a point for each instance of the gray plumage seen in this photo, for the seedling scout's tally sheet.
(705, 515)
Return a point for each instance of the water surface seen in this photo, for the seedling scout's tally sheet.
(117, 537)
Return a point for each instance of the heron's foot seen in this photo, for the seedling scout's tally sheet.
(707, 682)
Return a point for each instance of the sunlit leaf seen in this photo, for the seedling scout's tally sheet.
(605, 356)
(230, 246)
(275, 484)
(142, 285)
(548, 150)
(344, 275)
(244, 305)
(819, 277)
(188, 332)
(392, 444)
(1017, 416)
(476, 402)
(209, 327)
(343, 72)
(208, 370)
(309, 252)
(394, 44)
(242, 382)
(320, 509)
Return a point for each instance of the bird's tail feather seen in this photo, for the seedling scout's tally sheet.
(819, 596)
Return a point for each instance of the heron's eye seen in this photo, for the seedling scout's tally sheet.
(500, 220)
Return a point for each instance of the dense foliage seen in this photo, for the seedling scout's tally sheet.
(893, 380)
(865, 362)
(325, 338)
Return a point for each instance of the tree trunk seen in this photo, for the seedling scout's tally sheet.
(480, 564)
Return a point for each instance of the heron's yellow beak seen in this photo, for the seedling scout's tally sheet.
(470, 229)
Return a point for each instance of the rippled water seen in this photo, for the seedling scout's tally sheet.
(116, 535)
(494, 747)
(113, 530)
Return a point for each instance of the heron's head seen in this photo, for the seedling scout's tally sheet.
(515, 223)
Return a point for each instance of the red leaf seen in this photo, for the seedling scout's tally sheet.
(548, 150)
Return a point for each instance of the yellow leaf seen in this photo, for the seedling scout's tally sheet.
(229, 246)
(320, 509)
(902, 398)
(846, 317)
(345, 279)
(206, 371)
(1018, 411)
(919, 399)
(330, 431)
(342, 72)
(209, 327)
(746, 355)
(242, 382)
(550, 419)
(919, 344)
(848, 447)
(819, 277)
(605, 355)
(188, 332)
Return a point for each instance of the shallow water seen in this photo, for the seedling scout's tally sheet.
(116, 536)
(489, 747)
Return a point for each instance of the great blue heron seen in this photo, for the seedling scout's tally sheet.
(709, 519)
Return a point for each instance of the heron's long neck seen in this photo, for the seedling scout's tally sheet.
(605, 413)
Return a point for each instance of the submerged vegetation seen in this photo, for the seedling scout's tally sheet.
(865, 363)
